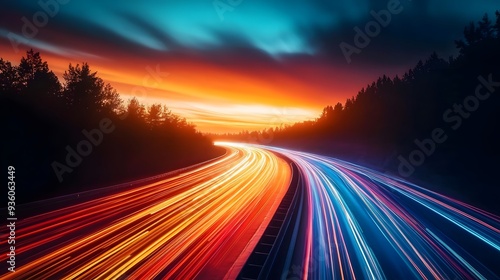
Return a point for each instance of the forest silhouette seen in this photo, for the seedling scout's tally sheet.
(45, 122)
(379, 127)
(383, 122)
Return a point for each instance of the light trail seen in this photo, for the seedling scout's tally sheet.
(194, 225)
(368, 225)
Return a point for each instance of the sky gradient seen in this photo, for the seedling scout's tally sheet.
(233, 65)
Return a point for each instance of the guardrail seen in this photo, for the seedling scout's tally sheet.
(274, 252)
(54, 202)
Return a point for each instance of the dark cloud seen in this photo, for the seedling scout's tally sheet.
(412, 34)
(247, 40)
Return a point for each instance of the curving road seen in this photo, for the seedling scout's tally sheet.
(201, 224)
(346, 221)
(367, 225)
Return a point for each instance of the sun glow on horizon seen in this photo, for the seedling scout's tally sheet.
(211, 117)
(212, 98)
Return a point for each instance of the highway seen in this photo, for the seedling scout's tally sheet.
(200, 224)
(238, 214)
(367, 225)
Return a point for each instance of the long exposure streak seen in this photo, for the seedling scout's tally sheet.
(199, 224)
(367, 225)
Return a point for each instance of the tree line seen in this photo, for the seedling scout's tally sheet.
(385, 119)
(44, 118)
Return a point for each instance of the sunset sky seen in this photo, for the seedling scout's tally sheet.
(231, 65)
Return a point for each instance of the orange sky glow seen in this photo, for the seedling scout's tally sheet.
(264, 65)
(216, 98)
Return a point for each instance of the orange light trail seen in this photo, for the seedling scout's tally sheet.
(199, 224)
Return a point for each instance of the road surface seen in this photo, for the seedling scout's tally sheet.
(343, 221)
(367, 225)
(198, 224)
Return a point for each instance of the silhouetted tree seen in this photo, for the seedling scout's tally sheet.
(35, 78)
(85, 91)
(9, 79)
(154, 115)
(497, 23)
(42, 118)
(327, 113)
(485, 31)
(337, 110)
(135, 110)
(112, 103)
(486, 28)
(387, 116)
